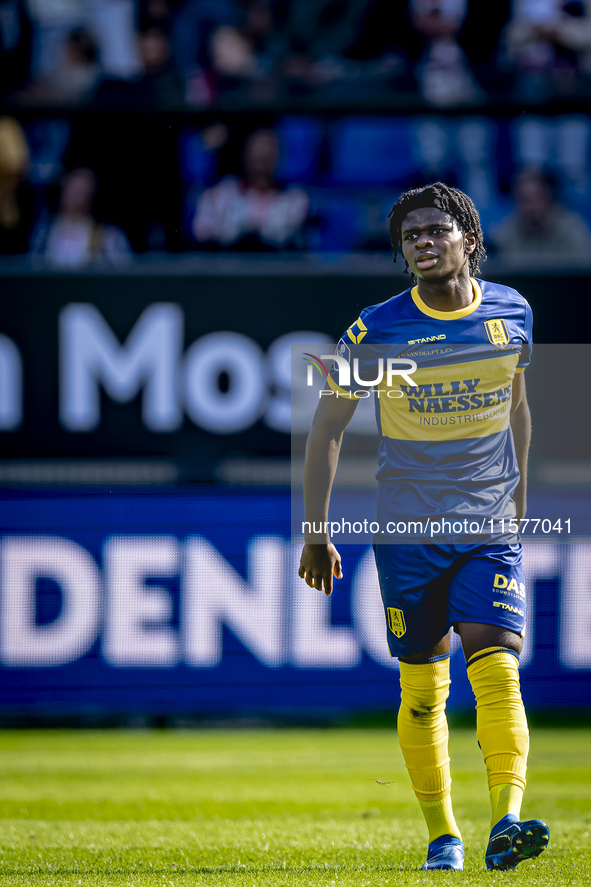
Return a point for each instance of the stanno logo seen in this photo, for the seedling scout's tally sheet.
(427, 340)
(509, 607)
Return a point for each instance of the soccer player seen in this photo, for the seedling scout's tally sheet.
(454, 443)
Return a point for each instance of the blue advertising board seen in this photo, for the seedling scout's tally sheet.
(188, 601)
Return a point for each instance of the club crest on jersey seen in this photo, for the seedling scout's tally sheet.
(496, 331)
(396, 621)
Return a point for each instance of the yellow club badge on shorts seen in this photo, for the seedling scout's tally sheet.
(396, 621)
(496, 331)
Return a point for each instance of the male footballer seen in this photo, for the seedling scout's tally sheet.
(453, 443)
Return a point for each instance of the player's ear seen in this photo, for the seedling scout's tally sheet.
(470, 242)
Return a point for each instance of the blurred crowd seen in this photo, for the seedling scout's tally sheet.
(297, 183)
(194, 53)
(302, 183)
(91, 172)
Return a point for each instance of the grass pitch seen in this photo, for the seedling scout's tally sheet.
(262, 808)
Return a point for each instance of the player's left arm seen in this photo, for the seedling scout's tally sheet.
(521, 428)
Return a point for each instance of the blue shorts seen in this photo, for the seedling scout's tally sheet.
(427, 588)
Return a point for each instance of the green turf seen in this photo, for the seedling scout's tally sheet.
(285, 807)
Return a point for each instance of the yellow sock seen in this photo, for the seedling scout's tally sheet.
(423, 736)
(439, 817)
(501, 726)
(505, 799)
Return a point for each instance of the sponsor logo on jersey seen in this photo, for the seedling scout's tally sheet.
(396, 621)
(496, 331)
(503, 582)
(459, 396)
(509, 607)
(427, 340)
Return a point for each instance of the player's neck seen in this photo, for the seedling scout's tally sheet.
(450, 294)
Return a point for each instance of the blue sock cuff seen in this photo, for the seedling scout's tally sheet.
(439, 658)
(477, 656)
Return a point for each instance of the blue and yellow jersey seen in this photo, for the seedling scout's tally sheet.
(446, 445)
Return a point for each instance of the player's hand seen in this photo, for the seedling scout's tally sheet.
(318, 564)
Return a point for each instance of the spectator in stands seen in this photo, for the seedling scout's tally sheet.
(247, 55)
(77, 80)
(317, 35)
(376, 56)
(74, 237)
(540, 225)
(252, 213)
(74, 78)
(16, 203)
(548, 43)
(311, 45)
(193, 24)
(443, 72)
(157, 86)
(112, 23)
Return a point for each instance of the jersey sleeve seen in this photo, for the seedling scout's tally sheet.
(351, 346)
(526, 351)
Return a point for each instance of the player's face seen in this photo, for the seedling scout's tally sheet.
(434, 245)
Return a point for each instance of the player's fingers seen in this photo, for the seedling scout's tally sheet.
(338, 570)
(301, 572)
(328, 585)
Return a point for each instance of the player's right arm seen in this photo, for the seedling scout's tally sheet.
(320, 560)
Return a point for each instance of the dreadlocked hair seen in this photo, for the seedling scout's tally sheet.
(448, 200)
